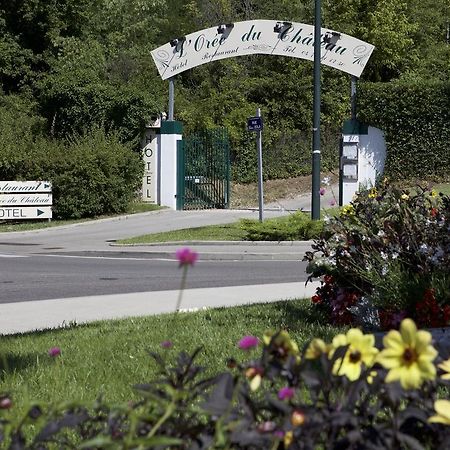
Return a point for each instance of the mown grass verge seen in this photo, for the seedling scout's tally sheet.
(225, 232)
(297, 226)
(109, 357)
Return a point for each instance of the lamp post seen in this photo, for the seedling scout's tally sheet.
(315, 195)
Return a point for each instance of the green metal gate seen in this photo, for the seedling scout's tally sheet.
(204, 170)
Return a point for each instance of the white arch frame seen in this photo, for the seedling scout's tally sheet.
(268, 37)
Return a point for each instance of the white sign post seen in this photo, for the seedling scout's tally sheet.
(25, 200)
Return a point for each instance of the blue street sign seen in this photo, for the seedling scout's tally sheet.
(254, 124)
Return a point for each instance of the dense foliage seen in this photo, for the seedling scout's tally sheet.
(415, 116)
(345, 394)
(75, 64)
(386, 257)
(93, 173)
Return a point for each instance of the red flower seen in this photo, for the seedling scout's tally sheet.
(316, 299)
(429, 313)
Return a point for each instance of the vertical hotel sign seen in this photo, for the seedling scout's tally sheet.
(25, 200)
(267, 37)
(149, 154)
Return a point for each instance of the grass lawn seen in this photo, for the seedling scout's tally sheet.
(444, 188)
(109, 357)
(226, 232)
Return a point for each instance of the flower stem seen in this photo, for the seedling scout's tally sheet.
(180, 293)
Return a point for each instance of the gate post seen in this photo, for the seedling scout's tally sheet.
(181, 166)
(170, 135)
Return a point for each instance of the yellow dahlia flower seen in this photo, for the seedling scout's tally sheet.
(373, 193)
(316, 348)
(445, 366)
(286, 346)
(348, 210)
(408, 355)
(288, 438)
(442, 407)
(361, 350)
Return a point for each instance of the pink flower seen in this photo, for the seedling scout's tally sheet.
(286, 393)
(54, 352)
(322, 191)
(186, 256)
(333, 202)
(166, 344)
(5, 403)
(248, 342)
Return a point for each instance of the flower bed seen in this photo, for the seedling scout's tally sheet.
(384, 258)
(345, 394)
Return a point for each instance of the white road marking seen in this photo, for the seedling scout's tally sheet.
(105, 257)
(3, 255)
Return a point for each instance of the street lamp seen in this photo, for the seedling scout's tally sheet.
(315, 195)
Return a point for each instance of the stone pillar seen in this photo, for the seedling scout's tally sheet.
(170, 134)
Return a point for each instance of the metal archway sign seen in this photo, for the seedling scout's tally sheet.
(266, 37)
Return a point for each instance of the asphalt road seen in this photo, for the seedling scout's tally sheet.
(26, 277)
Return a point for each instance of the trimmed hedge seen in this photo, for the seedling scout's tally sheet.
(415, 117)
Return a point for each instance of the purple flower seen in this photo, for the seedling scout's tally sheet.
(322, 191)
(266, 427)
(333, 202)
(279, 434)
(166, 344)
(248, 342)
(186, 256)
(286, 393)
(54, 352)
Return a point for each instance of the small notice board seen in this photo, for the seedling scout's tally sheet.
(254, 124)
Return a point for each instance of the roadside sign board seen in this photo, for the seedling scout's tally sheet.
(10, 187)
(25, 200)
(26, 212)
(254, 124)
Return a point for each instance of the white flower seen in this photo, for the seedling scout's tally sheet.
(437, 256)
(423, 249)
(326, 181)
(384, 256)
(394, 255)
(384, 271)
(381, 233)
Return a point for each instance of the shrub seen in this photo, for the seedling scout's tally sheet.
(415, 116)
(387, 256)
(92, 175)
(340, 395)
(297, 226)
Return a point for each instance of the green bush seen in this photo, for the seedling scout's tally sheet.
(297, 226)
(415, 117)
(92, 174)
